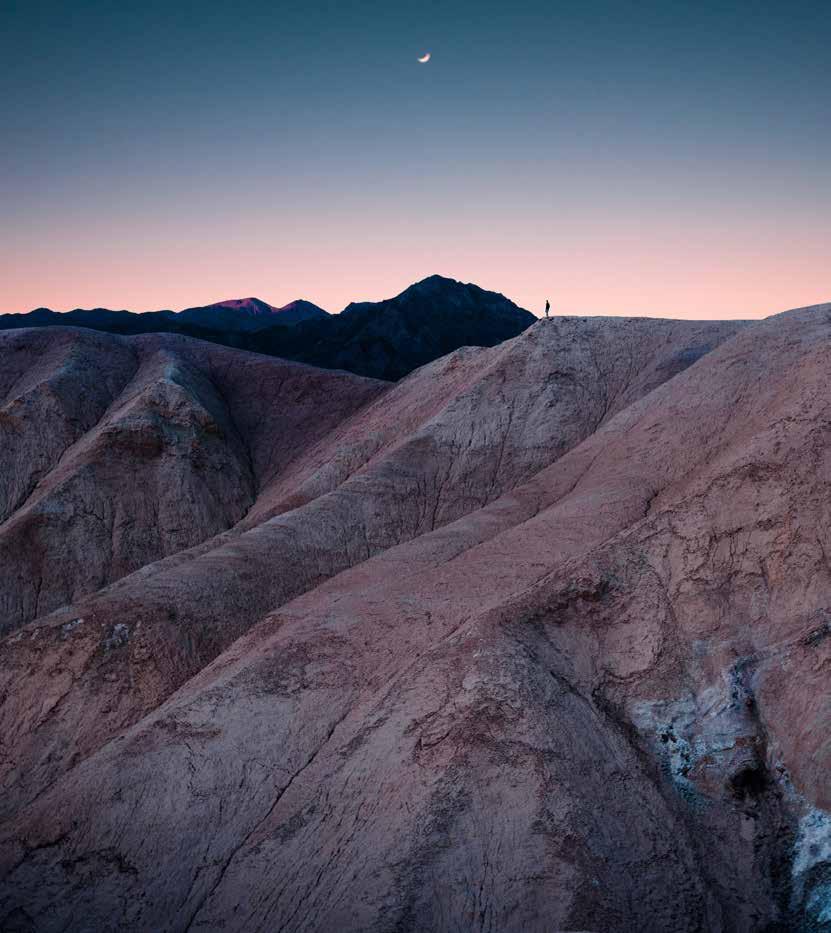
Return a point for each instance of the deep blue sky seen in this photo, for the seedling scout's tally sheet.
(661, 158)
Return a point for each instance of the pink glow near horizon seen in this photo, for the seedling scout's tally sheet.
(685, 277)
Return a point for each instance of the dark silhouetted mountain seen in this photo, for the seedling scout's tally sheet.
(385, 339)
(388, 339)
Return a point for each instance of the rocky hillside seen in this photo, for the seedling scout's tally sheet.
(535, 639)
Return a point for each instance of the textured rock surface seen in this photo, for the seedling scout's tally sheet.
(536, 639)
(119, 452)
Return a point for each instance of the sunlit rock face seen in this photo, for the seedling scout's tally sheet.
(534, 639)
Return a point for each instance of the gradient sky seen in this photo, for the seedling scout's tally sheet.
(666, 158)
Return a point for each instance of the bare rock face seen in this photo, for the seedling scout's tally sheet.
(120, 452)
(53, 390)
(536, 639)
(162, 470)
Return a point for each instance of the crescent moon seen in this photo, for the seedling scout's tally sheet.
(425, 58)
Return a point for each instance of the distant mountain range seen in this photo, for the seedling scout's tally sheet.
(251, 314)
(234, 315)
(385, 339)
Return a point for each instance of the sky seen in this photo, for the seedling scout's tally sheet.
(668, 159)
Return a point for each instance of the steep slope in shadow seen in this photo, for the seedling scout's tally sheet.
(179, 436)
(433, 448)
(163, 470)
(54, 387)
(450, 735)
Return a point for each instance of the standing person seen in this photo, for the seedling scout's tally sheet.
(547, 307)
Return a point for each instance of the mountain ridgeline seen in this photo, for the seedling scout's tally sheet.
(383, 340)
